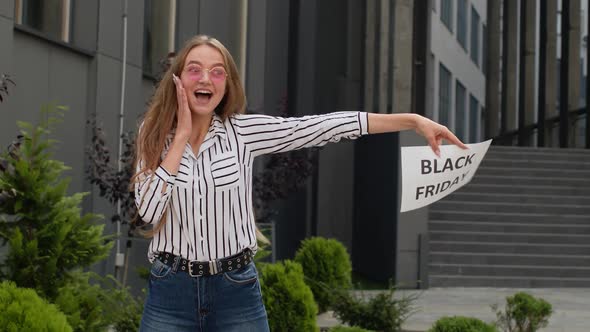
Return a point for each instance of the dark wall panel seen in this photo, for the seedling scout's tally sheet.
(376, 205)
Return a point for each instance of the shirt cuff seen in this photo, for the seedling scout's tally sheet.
(165, 176)
(363, 118)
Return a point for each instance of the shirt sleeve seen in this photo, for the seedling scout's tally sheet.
(152, 193)
(263, 134)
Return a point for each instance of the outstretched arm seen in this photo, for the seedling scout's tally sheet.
(433, 132)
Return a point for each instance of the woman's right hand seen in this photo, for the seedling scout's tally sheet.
(184, 127)
(183, 114)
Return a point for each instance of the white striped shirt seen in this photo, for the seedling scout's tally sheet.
(208, 204)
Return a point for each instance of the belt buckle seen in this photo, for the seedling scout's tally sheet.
(190, 270)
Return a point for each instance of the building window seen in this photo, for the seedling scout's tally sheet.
(557, 84)
(582, 84)
(484, 51)
(482, 123)
(446, 13)
(474, 36)
(473, 119)
(50, 17)
(460, 105)
(444, 95)
(462, 23)
(158, 34)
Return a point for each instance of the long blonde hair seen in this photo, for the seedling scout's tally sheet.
(160, 118)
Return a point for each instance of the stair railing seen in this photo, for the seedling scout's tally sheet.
(579, 134)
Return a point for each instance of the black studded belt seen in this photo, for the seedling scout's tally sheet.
(207, 268)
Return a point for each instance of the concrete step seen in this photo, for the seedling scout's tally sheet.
(510, 248)
(507, 282)
(536, 150)
(531, 180)
(512, 228)
(523, 221)
(541, 218)
(509, 237)
(511, 271)
(544, 172)
(461, 196)
(445, 257)
(508, 188)
(557, 209)
(549, 163)
(550, 155)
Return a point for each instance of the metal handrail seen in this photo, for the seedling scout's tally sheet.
(508, 137)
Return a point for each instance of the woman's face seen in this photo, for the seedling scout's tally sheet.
(204, 79)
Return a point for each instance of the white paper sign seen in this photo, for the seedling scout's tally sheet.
(427, 178)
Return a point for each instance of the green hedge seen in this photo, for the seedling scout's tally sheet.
(93, 304)
(461, 324)
(347, 329)
(23, 310)
(327, 268)
(382, 312)
(523, 313)
(288, 300)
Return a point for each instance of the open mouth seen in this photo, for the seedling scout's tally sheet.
(203, 96)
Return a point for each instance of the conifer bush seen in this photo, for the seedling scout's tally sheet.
(288, 300)
(49, 239)
(23, 310)
(461, 324)
(47, 234)
(327, 268)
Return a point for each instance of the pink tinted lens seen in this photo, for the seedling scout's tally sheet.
(217, 74)
(195, 74)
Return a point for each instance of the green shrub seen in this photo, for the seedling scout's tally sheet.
(461, 324)
(347, 329)
(327, 268)
(48, 235)
(523, 313)
(125, 310)
(93, 304)
(381, 313)
(23, 310)
(288, 300)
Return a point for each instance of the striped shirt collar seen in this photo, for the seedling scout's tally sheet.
(216, 128)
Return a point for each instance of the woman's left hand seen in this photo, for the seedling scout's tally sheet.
(435, 133)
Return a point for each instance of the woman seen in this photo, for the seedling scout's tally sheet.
(195, 150)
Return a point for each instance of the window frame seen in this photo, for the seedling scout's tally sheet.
(446, 13)
(474, 40)
(474, 116)
(462, 33)
(484, 50)
(65, 35)
(459, 128)
(148, 71)
(444, 97)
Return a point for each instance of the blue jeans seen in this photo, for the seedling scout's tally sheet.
(224, 302)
